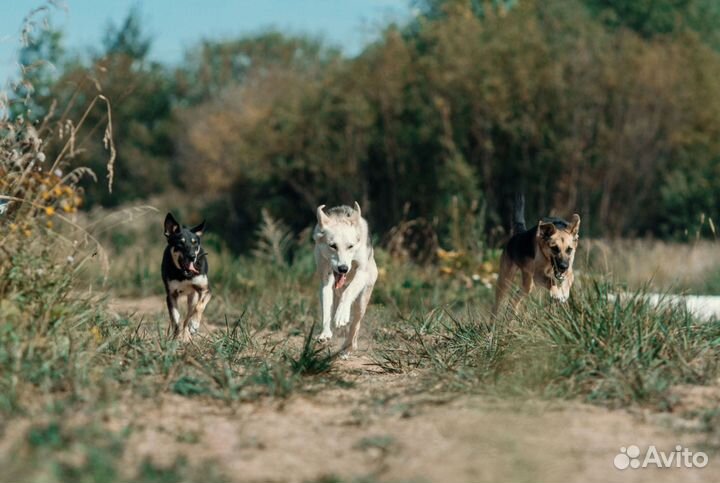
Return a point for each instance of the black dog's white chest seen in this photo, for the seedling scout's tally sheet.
(187, 287)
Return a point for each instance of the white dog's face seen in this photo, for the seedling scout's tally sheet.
(339, 240)
(340, 243)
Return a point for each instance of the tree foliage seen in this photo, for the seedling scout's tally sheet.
(606, 108)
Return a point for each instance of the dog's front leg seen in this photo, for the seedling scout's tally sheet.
(191, 324)
(196, 306)
(561, 292)
(358, 312)
(326, 306)
(557, 293)
(348, 296)
(174, 325)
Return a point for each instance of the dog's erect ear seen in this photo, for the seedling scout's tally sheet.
(575, 224)
(322, 219)
(199, 230)
(171, 225)
(546, 229)
(358, 213)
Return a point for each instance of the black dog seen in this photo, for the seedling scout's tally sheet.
(185, 272)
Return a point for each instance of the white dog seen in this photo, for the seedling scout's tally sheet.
(347, 269)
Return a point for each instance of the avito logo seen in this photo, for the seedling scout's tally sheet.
(630, 457)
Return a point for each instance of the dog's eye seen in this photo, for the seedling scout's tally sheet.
(350, 247)
(333, 246)
(555, 249)
(194, 242)
(569, 250)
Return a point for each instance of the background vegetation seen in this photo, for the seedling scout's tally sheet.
(608, 108)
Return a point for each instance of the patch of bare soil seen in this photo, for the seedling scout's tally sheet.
(376, 426)
(375, 430)
(143, 307)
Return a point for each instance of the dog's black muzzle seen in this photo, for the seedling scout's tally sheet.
(188, 263)
(560, 267)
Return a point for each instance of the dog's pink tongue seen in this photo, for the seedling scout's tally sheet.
(192, 269)
(339, 279)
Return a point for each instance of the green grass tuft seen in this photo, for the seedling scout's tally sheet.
(312, 360)
(622, 351)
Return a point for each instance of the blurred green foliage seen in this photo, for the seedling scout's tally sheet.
(609, 108)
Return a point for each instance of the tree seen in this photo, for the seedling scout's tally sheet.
(127, 39)
(661, 17)
(41, 58)
(216, 65)
(141, 96)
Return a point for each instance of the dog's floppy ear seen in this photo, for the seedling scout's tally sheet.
(171, 225)
(546, 229)
(575, 224)
(358, 213)
(322, 219)
(199, 230)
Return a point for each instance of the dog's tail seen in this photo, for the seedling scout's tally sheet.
(518, 222)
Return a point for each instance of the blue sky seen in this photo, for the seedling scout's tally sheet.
(176, 25)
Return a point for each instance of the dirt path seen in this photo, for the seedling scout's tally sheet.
(143, 307)
(377, 428)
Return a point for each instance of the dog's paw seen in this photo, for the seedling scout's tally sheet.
(173, 331)
(560, 293)
(344, 355)
(342, 315)
(185, 336)
(324, 336)
(194, 327)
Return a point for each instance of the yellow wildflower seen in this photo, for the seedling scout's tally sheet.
(95, 331)
(448, 254)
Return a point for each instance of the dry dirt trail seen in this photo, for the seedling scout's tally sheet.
(378, 429)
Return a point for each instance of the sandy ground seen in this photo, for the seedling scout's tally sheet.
(369, 431)
(378, 427)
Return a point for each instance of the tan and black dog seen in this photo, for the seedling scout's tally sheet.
(544, 254)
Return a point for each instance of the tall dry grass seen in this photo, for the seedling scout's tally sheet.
(49, 329)
(659, 265)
